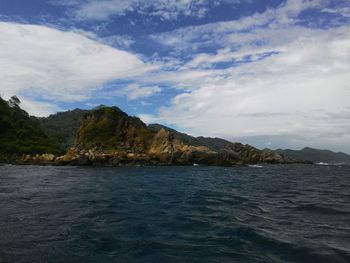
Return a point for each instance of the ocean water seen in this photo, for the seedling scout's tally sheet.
(277, 213)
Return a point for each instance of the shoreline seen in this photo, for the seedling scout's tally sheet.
(133, 164)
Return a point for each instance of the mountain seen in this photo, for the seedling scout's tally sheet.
(20, 133)
(215, 144)
(62, 127)
(110, 128)
(108, 136)
(316, 155)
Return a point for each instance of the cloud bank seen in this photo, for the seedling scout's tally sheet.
(41, 62)
(270, 78)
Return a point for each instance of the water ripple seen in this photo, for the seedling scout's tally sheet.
(175, 214)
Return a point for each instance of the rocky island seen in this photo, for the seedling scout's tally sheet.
(108, 136)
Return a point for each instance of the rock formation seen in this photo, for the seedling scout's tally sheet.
(108, 136)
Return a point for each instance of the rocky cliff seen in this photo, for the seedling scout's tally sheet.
(108, 136)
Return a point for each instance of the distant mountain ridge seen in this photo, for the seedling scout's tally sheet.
(215, 144)
(316, 155)
(62, 127)
(108, 136)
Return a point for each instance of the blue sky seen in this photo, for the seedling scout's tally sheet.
(270, 73)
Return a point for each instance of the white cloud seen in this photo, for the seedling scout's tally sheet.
(131, 91)
(38, 108)
(148, 118)
(119, 41)
(134, 91)
(238, 32)
(297, 96)
(344, 11)
(279, 96)
(292, 8)
(37, 61)
(102, 10)
(290, 94)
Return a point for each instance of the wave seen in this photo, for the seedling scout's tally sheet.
(275, 242)
(332, 164)
(313, 208)
(322, 163)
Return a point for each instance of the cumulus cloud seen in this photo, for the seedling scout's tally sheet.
(268, 80)
(134, 91)
(37, 61)
(39, 108)
(297, 91)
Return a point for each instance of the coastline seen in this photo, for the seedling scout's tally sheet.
(132, 159)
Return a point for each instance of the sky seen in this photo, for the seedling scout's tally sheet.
(271, 73)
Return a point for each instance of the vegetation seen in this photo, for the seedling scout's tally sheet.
(316, 155)
(20, 133)
(112, 129)
(62, 127)
(214, 144)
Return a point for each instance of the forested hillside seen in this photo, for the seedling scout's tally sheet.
(20, 133)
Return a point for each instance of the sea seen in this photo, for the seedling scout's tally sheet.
(265, 213)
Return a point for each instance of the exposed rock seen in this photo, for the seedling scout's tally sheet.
(108, 136)
(48, 157)
(272, 157)
(73, 157)
(37, 159)
(172, 151)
